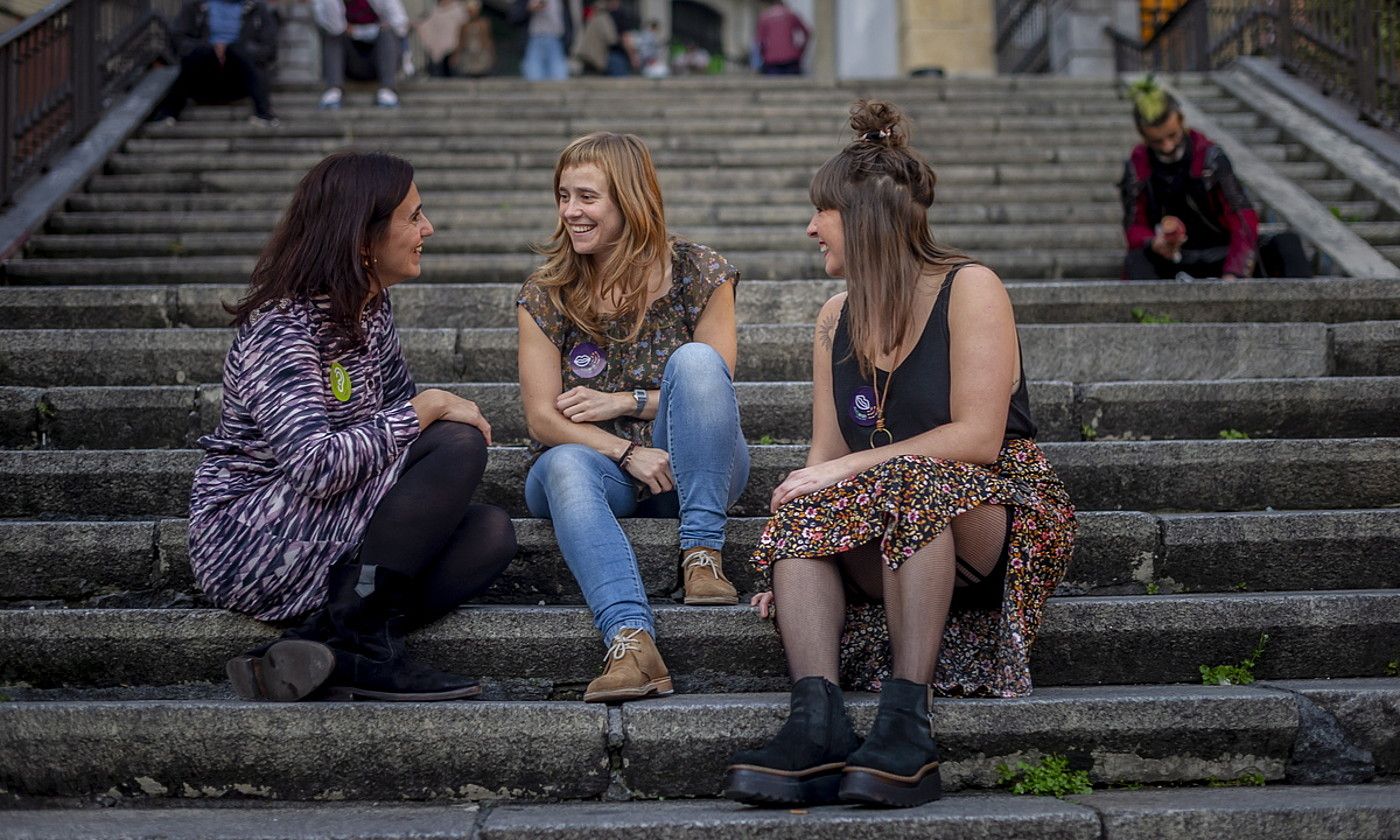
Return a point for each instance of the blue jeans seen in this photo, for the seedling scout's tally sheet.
(584, 492)
(544, 59)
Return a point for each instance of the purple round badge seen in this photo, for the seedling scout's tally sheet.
(586, 360)
(863, 406)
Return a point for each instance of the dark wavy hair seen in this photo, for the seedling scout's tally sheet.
(321, 245)
(883, 188)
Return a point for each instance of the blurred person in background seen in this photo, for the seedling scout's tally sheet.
(226, 48)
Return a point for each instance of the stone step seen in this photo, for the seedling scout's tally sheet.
(1219, 475)
(671, 747)
(451, 238)
(146, 563)
(1073, 352)
(534, 652)
(1331, 192)
(164, 161)
(1327, 299)
(1039, 263)
(1324, 812)
(536, 220)
(174, 416)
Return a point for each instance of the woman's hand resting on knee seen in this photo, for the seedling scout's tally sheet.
(435, 404)
(652, 467)
(807, 480)
(762, 603)
(585, 405)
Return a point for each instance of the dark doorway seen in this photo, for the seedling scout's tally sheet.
(697, 23)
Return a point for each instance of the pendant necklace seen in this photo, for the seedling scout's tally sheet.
(880, 397)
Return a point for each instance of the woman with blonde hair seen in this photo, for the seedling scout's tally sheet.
(627, 353)
(914, 552)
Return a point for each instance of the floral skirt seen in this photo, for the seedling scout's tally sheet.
(905, 503)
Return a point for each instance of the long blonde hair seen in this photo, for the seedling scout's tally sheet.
(883, 190)
(576, 282)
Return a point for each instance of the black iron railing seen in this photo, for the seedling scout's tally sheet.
(1349, 48)
(61, 69)
(1023, 36)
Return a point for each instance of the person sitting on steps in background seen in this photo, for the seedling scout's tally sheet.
(362, 39)
(914, 553)
(332, 489)
(1185, 212)
(226, 49)
(627, 353)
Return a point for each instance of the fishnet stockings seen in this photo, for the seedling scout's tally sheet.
(810, 595)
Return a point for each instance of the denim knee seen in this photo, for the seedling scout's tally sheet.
(563, 473)
(696, 359)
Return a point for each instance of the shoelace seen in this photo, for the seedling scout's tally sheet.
(705, 560)
(622, 644)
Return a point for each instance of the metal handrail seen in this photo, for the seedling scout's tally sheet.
(60, 69)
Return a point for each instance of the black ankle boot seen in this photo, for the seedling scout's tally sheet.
(803, 762)
(898, 763)
(368, 614)
(280, 670)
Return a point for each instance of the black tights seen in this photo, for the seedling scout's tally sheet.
(810, 594)
(426, 526)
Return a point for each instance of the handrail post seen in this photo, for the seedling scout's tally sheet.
(7, 118)
(1364, 26)
(86, 69)
(1201, 60)
(1283, 30)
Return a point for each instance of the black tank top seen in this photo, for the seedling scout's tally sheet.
(918, 397)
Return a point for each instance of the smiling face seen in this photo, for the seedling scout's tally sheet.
(591, 217)
(398, 252)
(826, 227)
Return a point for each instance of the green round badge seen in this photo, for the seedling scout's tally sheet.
(340, 382)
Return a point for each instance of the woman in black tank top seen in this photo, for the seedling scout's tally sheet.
(915, 551)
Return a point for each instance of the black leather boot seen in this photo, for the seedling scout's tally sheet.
(279, 670)
(368, 614)
(898, 763)
(803, 762)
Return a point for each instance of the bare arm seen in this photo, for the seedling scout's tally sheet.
(541, 385)
(717, 325)
(827, 442)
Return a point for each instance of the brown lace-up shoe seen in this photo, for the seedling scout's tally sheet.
(632, 669)
(705, 583)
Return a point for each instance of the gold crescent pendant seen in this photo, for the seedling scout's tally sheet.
(889, 438)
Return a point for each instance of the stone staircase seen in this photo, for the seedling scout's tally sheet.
(1192, 546)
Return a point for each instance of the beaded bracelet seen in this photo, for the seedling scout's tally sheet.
(627, 453)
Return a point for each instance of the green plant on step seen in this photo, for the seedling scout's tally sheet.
(1233, 434)
(1241, 674)
(1247, 779)
(1088, 432)
(1153, 588)
(1051, 777)
(1240, 586)
(766, 440)
(1392, 668)
(1142, 316)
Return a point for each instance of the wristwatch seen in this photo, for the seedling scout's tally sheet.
(640, 395)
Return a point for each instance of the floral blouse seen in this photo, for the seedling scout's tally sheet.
(613, 367)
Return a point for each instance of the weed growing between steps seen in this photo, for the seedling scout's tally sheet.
(1241, 674)
(1246, 779)
(1392, 668)
(1233, 434)
(1142, 316)
(1051, 777)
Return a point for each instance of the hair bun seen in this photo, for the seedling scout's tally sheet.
(879, 122)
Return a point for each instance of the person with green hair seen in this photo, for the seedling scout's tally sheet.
(1185, 211)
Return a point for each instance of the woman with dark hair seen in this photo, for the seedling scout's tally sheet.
(627, 352)
(914, 552)
(332, 489)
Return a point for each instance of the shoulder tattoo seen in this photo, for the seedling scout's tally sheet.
(826, 331)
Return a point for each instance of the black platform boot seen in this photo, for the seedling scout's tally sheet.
(898, 763)
(287, 668)
(368, 614)
(803, 762)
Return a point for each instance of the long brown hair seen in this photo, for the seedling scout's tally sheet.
(883, 190)
(576, 282)
(321, 245)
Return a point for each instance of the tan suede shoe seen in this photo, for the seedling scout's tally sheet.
(632, 669)
(705, 582)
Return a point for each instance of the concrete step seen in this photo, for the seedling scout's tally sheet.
(670, 747)
(1073, 352)
(146, 563)
(1220, 475)
(1325, 812)
(1326, 299)
(551, 651)
(1390, 252)
(175, 416)
(536, 220)
(513, 267)
(451, 238)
